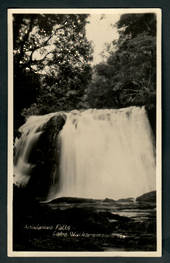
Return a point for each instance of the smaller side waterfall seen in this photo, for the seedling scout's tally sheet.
(36, 154)
(96, 154)
(22, 149)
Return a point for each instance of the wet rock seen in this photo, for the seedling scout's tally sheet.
(108, 200)
(126, 200)
(74, 200)
(148, 197)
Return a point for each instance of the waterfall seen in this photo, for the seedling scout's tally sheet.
(22, 149)
(103, 154)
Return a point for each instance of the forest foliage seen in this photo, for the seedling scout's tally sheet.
(53, 70)
(128, 77)
(51, 63)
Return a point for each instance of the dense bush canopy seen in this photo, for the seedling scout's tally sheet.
(51, 62)
(128, 77)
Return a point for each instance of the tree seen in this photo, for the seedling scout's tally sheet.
(129, 75)
(132, 25)
(51, 62)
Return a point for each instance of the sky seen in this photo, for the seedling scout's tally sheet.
(100, 31)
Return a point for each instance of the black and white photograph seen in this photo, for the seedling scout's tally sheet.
(84, 132)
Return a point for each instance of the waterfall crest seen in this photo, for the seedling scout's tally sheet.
(103, 154)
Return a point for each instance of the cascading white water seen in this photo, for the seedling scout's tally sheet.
(107, 153)
(23, 147)
(104, 153)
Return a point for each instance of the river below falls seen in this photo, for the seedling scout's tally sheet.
(76, 224)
